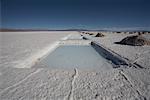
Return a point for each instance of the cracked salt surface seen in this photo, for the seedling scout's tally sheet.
(24, 83)
(74, 76)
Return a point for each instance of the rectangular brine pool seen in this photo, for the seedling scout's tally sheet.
(83, 56)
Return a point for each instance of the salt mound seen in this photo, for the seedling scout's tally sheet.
(90, 33)
(99, 35)
(136, 40)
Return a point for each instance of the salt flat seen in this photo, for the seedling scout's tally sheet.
(19, 80)
(17, 46)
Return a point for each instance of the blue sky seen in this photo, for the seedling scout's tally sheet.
(64, 14)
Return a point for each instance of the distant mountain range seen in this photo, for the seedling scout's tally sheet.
(105, 29)
(15, 30)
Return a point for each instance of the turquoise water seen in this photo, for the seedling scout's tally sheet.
(74, 56)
